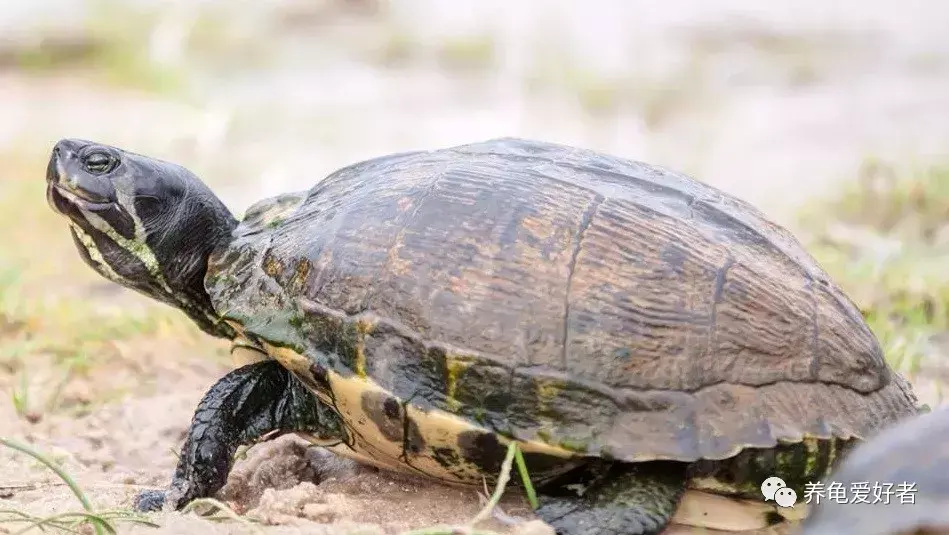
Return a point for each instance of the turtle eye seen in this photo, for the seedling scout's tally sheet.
(99, 163)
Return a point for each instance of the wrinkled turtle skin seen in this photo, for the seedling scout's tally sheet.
(911, 459)
(636, 331)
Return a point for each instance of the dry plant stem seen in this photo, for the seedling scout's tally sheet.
(499, 488)
(468, 529)
(223, 508)
(99, 524)
(39, 523)
(21, 518)
(59, 521)
(55, 520)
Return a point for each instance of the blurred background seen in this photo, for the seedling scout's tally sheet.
(769, 100)
(833, 117)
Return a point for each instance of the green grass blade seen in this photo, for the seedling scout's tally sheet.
(55, 521)
(526, 478)
(468, 529)
(101, 526)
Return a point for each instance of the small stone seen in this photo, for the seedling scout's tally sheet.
(77, 392)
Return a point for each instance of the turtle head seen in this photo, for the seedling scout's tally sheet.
(144, 223)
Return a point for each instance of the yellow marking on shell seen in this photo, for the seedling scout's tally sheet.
(272, 266)
(437, 429)
(363, 327)
(713, 484)
(244, 353)
(360, 364)
(831, 453)
(783, 457)
(300, 274)
(455, 367)
(547, 391)
(395, 263)
(811, 445)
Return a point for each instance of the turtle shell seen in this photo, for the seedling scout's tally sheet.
(897, 482)
(554, 295)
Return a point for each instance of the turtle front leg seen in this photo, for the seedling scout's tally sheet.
(614, 498)
(243, 406)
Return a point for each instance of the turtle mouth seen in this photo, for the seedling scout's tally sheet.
(62, 198)
(61, 191)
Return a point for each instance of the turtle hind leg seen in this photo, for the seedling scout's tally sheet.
(614, 498)
(244, 406)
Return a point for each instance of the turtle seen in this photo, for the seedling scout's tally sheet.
(639, 335)
(895, 483)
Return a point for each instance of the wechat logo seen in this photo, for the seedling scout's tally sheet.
(775, 489)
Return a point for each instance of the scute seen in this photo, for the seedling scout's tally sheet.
(554, 294)
(271, 211)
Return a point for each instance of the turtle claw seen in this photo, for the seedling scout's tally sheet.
(149, 501)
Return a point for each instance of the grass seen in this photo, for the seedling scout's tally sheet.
(475, 52)
(104, 522)
(79, 340)
(885, 238)
(791, 59)
(113, 42)
(150, 48)
(71, 522)
(218, 511)
(658, 98)
(513, 455)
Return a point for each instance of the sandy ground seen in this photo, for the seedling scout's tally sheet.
(127, 445)
(771, 141)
